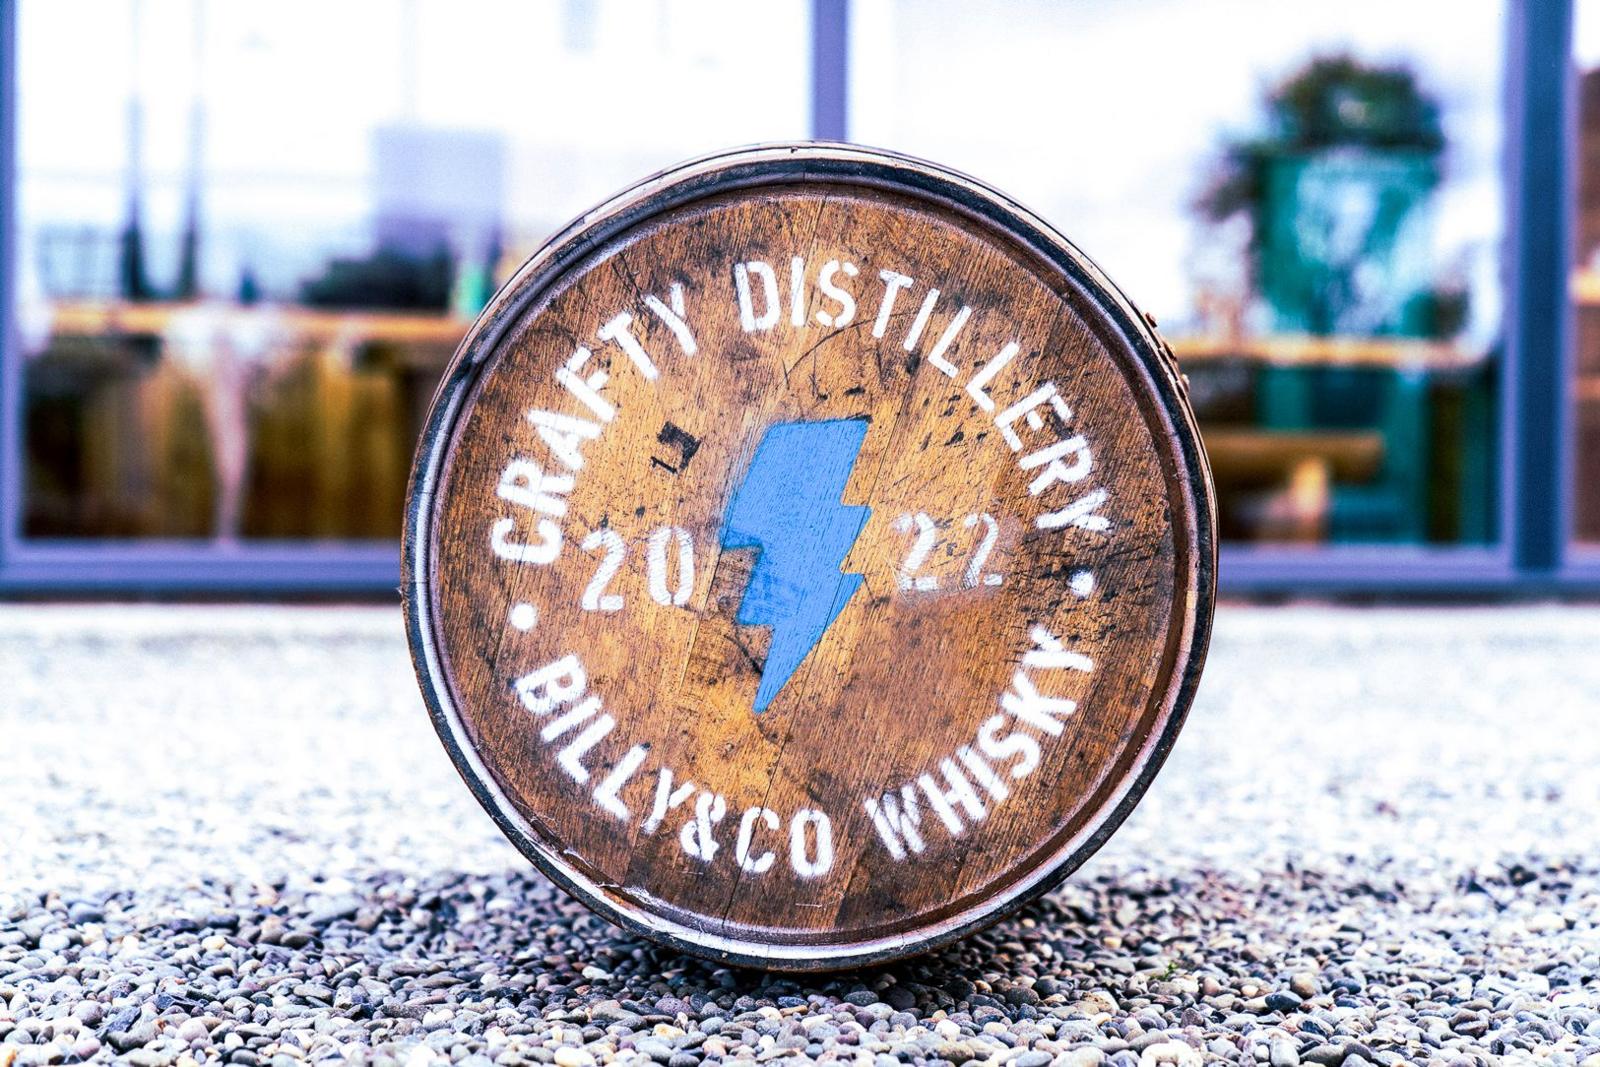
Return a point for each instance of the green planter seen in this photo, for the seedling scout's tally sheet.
(1344, 241)
(1344, 250)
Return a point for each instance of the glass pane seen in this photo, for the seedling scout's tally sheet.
(1308, 196)
(251, 233)
(1586, 278)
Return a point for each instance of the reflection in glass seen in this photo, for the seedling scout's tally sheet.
(1586, 281)
(1308, 197)
(251, 234)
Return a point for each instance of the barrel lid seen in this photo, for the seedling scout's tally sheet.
(809, 556)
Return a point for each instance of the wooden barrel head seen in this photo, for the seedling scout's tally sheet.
(809, 557)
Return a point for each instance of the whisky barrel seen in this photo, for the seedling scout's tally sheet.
(809, 557)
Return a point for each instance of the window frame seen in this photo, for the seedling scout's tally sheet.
(1534, 555)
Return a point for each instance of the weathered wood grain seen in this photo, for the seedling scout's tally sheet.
(1009, 562)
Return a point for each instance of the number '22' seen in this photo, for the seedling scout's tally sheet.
(927, 538)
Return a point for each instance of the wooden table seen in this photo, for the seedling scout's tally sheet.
(1303, 350)
(335, 470)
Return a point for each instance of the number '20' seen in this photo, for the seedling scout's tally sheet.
(669, 567)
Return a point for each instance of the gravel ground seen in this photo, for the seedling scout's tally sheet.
(228, 834)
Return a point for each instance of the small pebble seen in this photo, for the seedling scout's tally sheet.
(1282, 1001)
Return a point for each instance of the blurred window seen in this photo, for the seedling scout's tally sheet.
(1308, 196)
(249, 234)
(1586, 279)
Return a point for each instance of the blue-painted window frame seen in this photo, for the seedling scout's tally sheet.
(1534, 554)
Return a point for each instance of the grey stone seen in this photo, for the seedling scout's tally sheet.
(655, 1048)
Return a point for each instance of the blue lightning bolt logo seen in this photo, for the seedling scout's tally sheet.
(788, 509)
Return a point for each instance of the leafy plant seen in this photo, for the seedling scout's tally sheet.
(1333, 102)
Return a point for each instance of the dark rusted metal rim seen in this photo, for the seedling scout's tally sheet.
(1164, 406)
